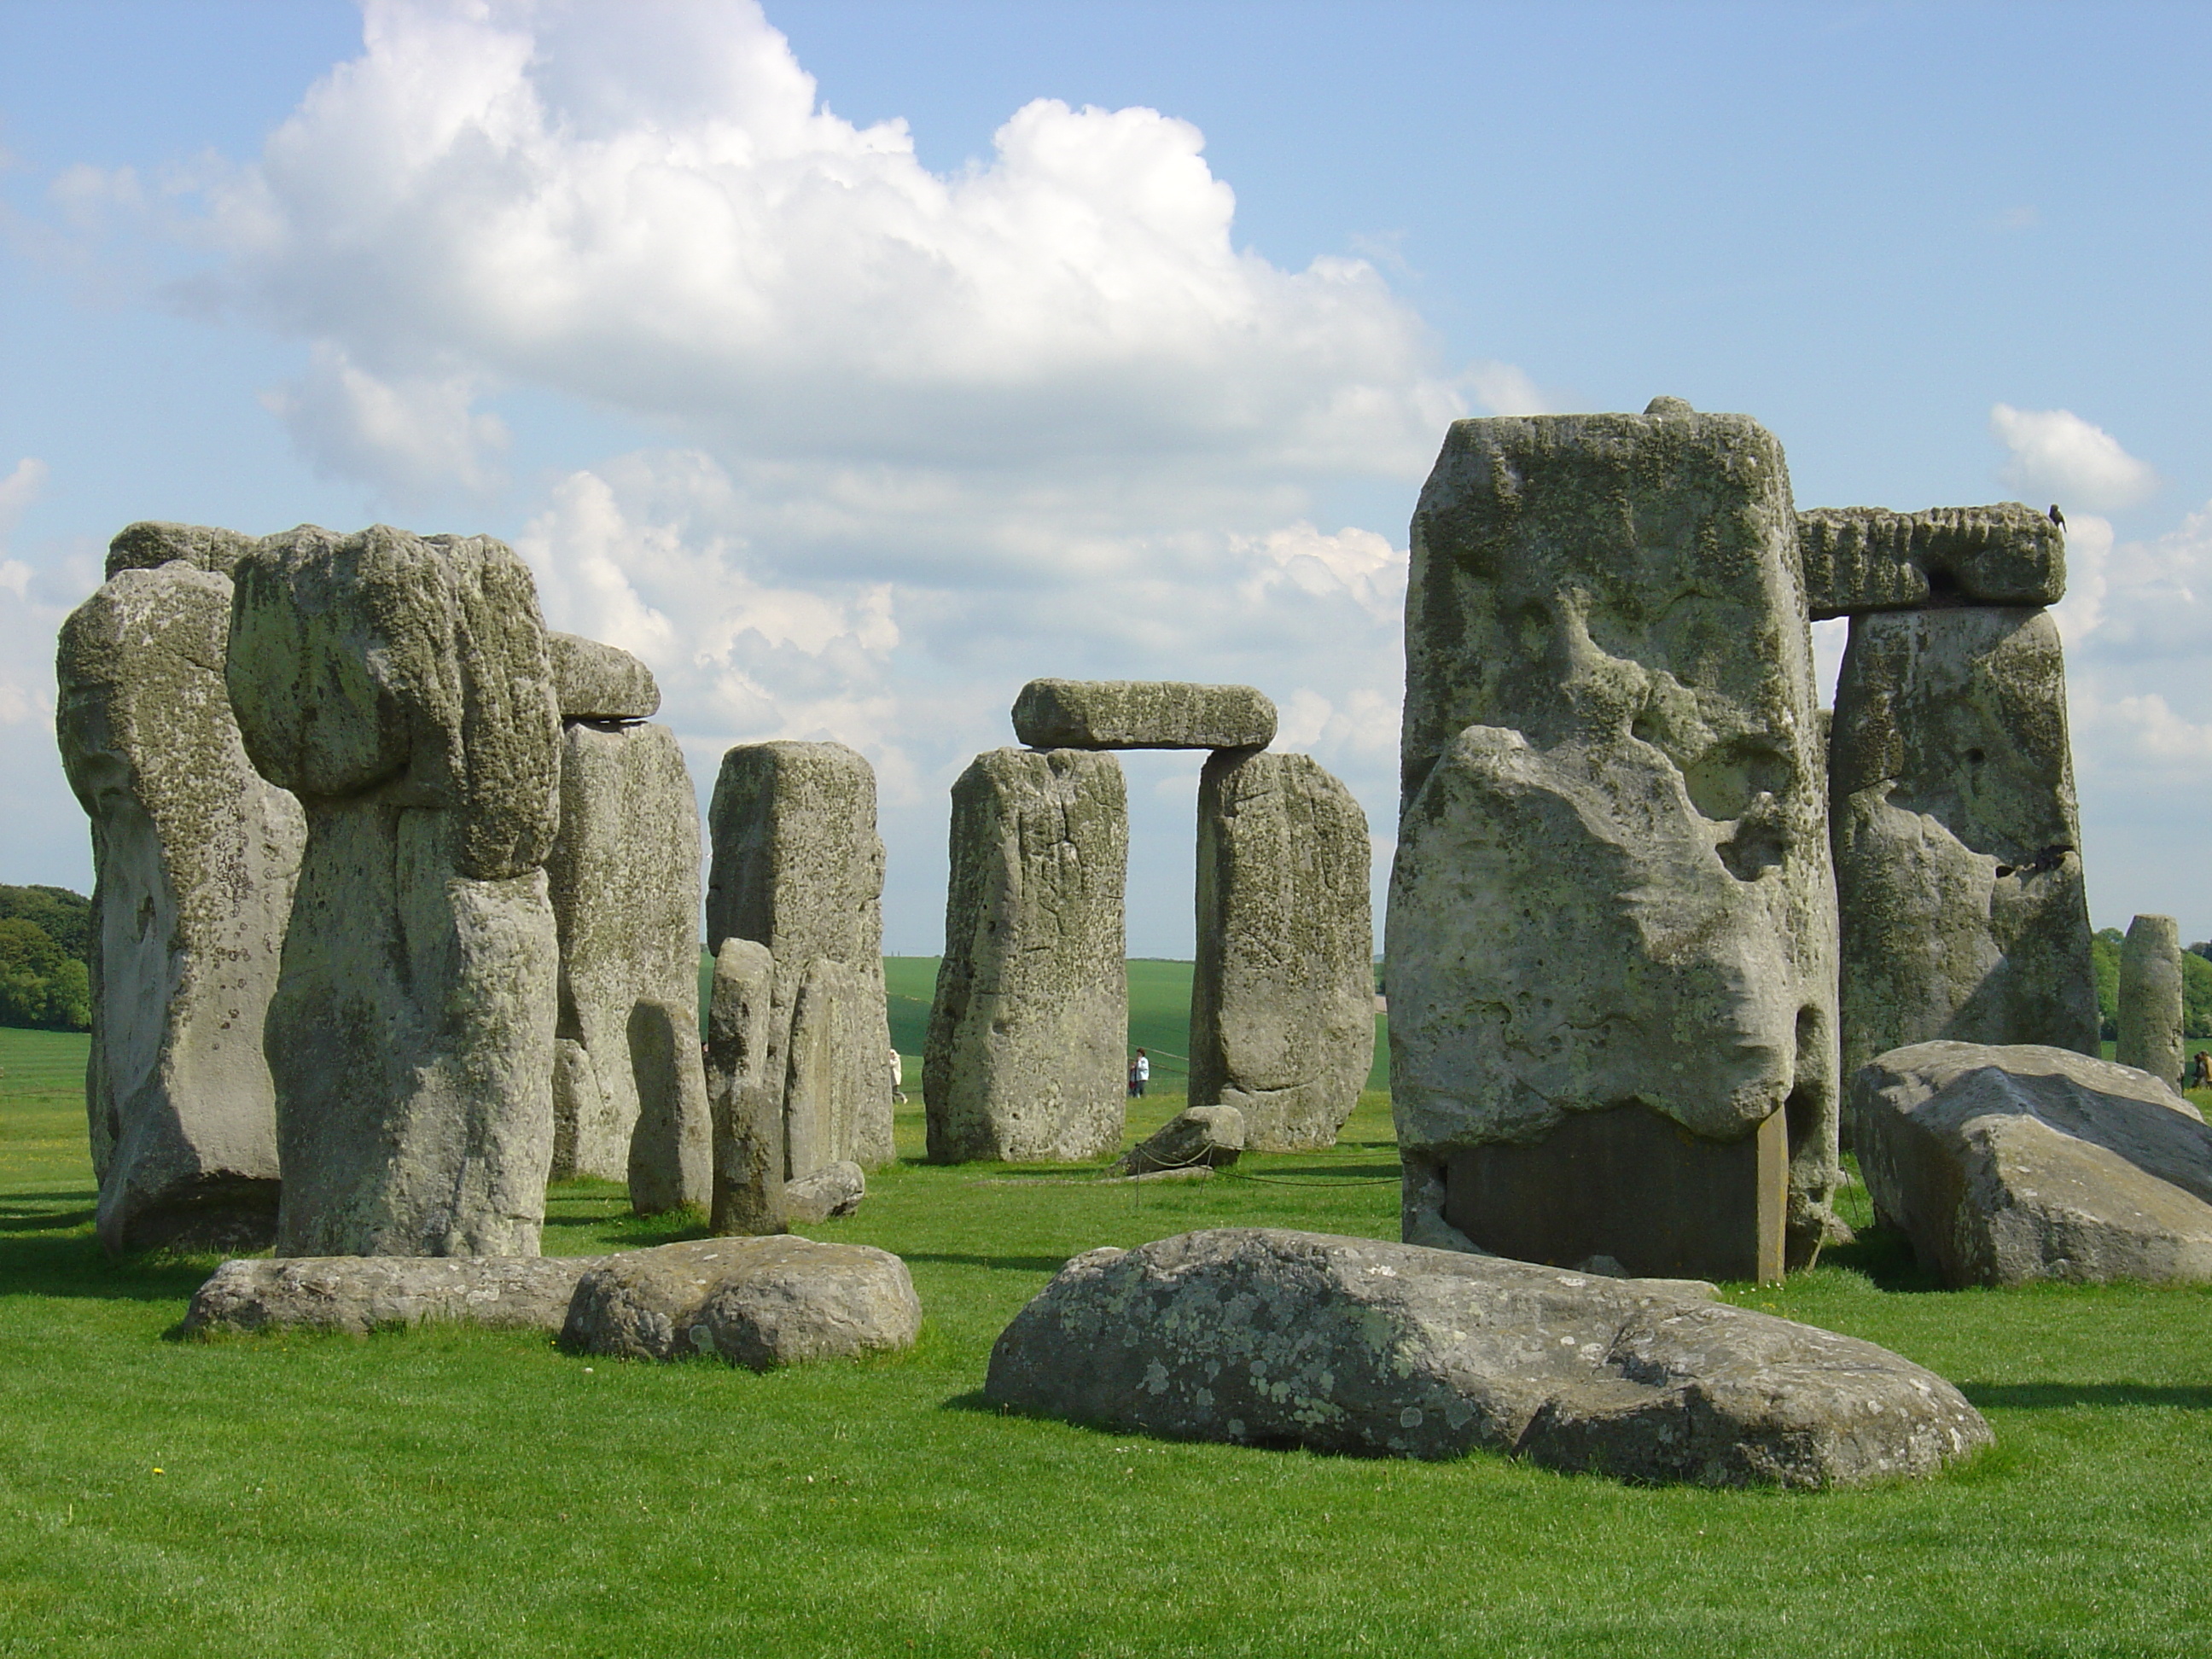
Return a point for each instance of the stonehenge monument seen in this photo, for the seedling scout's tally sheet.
(1958, 873)
(194, 857)
(1282, 1003)
(400, 687)
(629, 1089)
(1611, 932)
(799, 868)
(2150, 999)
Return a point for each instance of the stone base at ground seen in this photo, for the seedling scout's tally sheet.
(754, 1302)
(1267, 1337)
(360, 1293)
(833, 1190)
(2004, 1165)
(1202, 1136)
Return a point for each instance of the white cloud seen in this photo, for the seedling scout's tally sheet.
(413, 435)
(1503, 389)
(24, 641)
(2054, 452)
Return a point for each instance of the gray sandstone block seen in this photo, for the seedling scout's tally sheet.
(1142, 715)
(149, 545)
(1030, 1027)
(359, 1294)
(2150, 1011)
(1958, 877)
(597, 682)
(1349, 1346)
(629, 1089)
(834, 1190)
(1197, 1137)
(1282, 1004)
(2007, 1165)
(1613, 880)
(399, 686)
(1862, 559)
(194, 861)
(745, 1091)
(760, 1303)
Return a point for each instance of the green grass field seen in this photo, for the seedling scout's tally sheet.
(455, 1492)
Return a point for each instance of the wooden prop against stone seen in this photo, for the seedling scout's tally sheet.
(399, 686)
(2150, 1010)
(194, 857)
(1612, 914)
(1030, 1028)
(1282, 1002)
(1951, 806)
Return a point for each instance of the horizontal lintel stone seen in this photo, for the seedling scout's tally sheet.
(1142, 715)
(1860, 559)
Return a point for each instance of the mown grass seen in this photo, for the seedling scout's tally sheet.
(453, 1492)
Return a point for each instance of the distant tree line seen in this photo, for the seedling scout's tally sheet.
(46, 940)
(2195, 983)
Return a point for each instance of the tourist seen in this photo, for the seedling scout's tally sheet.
(1141, 1074)
(2200, 1070)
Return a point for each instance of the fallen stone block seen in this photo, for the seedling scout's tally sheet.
(360, 1293)
(761, 1303)
(1211, 1136)
(835, 1189)
(1266, 1337)
(1142, 715)
(2004, 1165)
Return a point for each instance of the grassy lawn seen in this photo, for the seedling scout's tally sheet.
(450, 1491)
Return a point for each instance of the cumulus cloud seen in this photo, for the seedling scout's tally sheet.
(23, 699)
(414, 434)
(1505, 389)
(2054, 452)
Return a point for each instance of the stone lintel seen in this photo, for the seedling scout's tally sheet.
(1859, 559)
(1142, 715)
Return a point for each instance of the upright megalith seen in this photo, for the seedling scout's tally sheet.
(799, 868)
(746, 1091)
(1958, 873)
(194, 859)
(1031, 1025)
(1612, 928)
(1142, 715)
(1282, 1005)
(629, 1092)
(2150, 998)
(399, 686)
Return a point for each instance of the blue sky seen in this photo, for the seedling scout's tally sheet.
(854, 362)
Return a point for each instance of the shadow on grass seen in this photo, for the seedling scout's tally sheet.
(1884, 1256)
(1322, 1174)
(75, 1268)
(1020, 1264)
(2048, 1396)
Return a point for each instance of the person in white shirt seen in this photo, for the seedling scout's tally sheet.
(1141, 1074)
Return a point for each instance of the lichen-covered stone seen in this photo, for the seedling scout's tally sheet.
(399, 687)
(2150, 998)
(1612, 881)
(798, 866)
(598, 682)
(1142, 715)
(1862, 559)
(1351, 1345)
(149, 545)
(836, 1064)
(760, 1303)
(1282, 1004)
(745, 1092)
(2006, 1165)
(194, 859)
(1197, 1137)
(1031, 1023)
(358, 1294)
(1957, 877)
(834, 1190)
(629, 1095)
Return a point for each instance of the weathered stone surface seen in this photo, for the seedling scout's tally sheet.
(1267, 1337)
(1612, 881)
(629, 1092)
(194, 859)
(1142, 715)
(398, 686)
(1212, 1136)
(1957, 874)
(2150, 998)
(2007, 1164)
(746, 1093)
(798, 866)
(149, 545)
(1282, 1004)
(1861, 559)
(754, 1302)
(833, 1190)
(359, 1294)
(597, 681)
(1027, 1034)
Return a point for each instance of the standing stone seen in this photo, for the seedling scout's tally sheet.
(1612, 929)
(194, 859)
(1142, 715)
(799, 867)
(398, 685)
(1031, 1021)
(747, 1095)
(1282, 1007)
(630, 1092)
(2150, 998)
(1957, 878)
